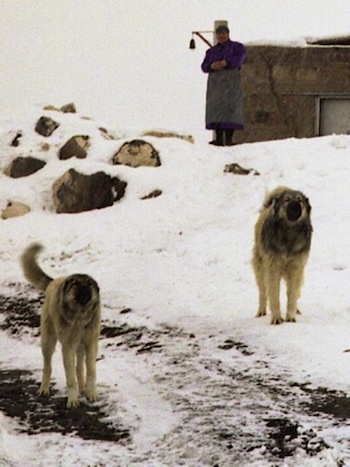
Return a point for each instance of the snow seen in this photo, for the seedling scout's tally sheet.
(181, 263)
(216, 375)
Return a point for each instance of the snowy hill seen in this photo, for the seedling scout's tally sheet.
(186, 374)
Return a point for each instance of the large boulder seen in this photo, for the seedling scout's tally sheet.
(75, 192)
(14, 209)
(23, 166)
(137, 153)
(76, 146)
(45, 126)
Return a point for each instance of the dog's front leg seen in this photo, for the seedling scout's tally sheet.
(273, 292)
(91, 355)
(81, 367)
(69, 354)
(294, 283)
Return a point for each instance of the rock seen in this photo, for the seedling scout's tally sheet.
(45, 126)
(75, 192)
(105, 133)
(153, 194)
(238, 170)
(15, 141)
(14, 209)
(168, 134)
(137, 153)
(68, 108)
(76, 146)
(24, 166)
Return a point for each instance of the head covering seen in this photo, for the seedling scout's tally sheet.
(222, 28)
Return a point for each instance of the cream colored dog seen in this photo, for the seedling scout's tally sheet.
(282, 244)
(70, 314)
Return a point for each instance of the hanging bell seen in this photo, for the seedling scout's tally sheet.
(192, 44)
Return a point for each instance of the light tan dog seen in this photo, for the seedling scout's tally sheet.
(70, 314)
(282, 244)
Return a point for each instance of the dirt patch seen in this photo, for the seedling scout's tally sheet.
(20, 314)
(329, 402)
(141, 339)
(234, 344)
(286, 436)
(19, 399)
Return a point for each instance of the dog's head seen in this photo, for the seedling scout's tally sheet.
(290, 205)
(80, 290)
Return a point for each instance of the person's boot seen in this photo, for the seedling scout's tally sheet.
(219, 139)
(229, 138)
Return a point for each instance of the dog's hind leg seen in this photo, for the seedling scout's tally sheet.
(48, 344)
(262, 299)
(259, 277)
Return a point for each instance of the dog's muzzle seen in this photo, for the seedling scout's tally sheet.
(83, 294)
(294, 211)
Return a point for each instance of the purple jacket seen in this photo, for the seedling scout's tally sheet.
(233, 52)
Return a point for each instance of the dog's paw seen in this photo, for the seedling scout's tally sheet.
(291, 319)
(91, 396)
(43, 391)
(276, 320)
(260, 313)
(71, 403)
(73, 395)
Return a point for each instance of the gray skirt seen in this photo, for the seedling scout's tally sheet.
(224, 100)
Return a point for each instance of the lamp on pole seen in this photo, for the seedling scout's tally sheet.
(218, 22)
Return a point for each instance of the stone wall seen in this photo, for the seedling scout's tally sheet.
(281, 86)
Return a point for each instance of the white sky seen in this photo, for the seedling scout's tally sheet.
(128, 60)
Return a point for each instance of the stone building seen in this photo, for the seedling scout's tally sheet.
(296, 90)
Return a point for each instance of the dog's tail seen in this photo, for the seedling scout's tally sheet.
(32, 271)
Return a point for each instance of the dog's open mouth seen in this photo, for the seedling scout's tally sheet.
(83, 294)
(293, 211)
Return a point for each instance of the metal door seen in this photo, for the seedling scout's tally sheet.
(334, 116)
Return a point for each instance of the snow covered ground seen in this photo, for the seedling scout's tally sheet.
(186, 370)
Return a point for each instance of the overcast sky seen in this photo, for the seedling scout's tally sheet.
(128, 60)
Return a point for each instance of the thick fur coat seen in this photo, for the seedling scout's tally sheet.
(71, 315)
(282, 244)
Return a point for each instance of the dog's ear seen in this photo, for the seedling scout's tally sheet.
(269, 201)
(272, 202)
(307, 204)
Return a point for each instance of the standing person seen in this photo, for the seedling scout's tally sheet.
(224, 98)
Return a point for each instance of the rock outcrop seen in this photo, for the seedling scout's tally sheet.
(137, 153)
(75, 192)
(24, 166)
(45, 126)
(76, 146)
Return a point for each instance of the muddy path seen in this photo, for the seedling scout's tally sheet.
(234, 409)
